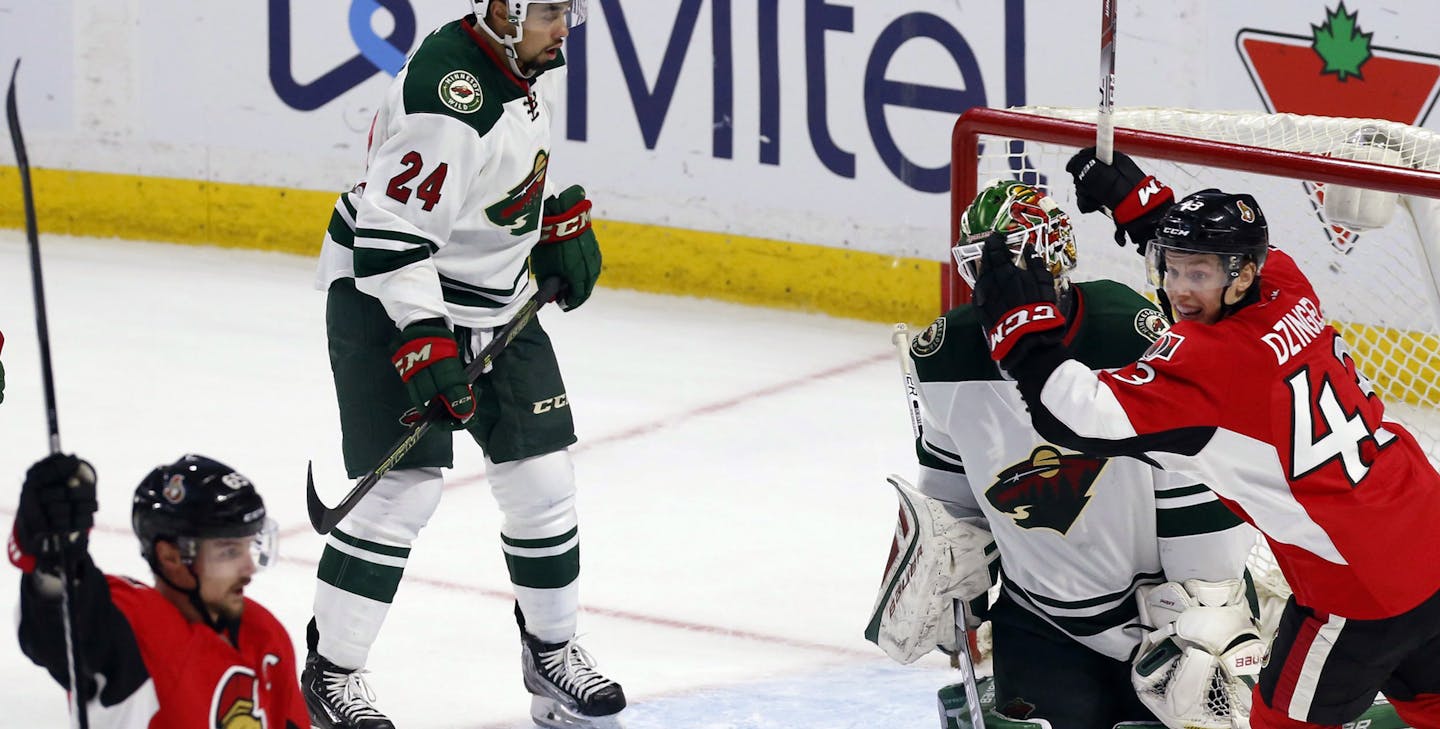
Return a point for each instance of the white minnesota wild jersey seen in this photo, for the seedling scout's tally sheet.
(442, 224)
(1076, 534)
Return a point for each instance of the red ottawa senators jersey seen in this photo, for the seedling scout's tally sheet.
(197, 678)
(1267, 408)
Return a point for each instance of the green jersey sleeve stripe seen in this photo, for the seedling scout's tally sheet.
(395, 235)
(340, 231)
(1205, 518)
(1182, 491)
(373, 261)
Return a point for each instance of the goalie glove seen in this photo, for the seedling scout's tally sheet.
(1134, 200)
(1197, 666)
(934, 560)
(1019, 310)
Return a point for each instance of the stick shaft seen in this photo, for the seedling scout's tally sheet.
(1104, 119)
(963, 659)
(78, 712)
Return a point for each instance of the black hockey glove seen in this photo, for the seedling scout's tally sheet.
(1134, 200)
(1018, 307)
(57, 509)
(567, 247)
(428, 362)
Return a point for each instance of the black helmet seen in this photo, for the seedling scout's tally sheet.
(1211, 221)
(194, 498)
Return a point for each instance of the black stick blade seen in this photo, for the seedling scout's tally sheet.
(321, 518)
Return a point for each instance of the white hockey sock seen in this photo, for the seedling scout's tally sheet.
(540, 540)
(364, 561)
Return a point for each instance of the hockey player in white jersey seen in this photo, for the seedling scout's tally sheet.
(1122, 593)
(423, 261)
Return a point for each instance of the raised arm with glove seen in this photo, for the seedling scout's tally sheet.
(1133, 199)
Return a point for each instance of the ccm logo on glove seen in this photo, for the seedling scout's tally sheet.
(568, 224)
(421, 353)
(1020, 321)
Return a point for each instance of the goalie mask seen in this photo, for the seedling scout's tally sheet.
(528, 16)
(1027, 217)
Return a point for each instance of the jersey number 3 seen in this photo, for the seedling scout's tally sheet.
(1342, 431)
(429, 189)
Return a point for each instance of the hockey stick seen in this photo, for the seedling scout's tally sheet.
(962, 659)
(1105, 119)
(325, 518)
(32, 235)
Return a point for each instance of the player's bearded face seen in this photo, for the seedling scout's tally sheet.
(545, 29)
(225, 567)
(1195, 284)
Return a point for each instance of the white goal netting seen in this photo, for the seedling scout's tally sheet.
(1378, 285)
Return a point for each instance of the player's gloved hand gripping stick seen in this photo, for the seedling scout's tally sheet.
(325, 518)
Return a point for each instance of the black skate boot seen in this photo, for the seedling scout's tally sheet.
(567, 692)
(338, 698)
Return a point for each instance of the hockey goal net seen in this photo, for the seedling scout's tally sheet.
(1378, 284)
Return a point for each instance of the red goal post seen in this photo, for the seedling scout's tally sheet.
(1379, 285)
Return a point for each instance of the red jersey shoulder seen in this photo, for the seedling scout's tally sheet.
(144, 606)
(265, 628)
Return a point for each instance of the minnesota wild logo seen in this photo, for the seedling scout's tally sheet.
(520, 209)
(1048, 490)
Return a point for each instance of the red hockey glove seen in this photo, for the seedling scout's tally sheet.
(567, 247)
(428, 362)
(57, 509)
(1134, 200)
(1017, 306)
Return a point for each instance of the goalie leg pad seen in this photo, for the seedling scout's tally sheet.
(1198, 666)
(935, 559)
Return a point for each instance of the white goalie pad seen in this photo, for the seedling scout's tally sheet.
(934, 560)
(1197, 666)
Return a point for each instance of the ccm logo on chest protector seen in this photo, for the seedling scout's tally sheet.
(551, 403)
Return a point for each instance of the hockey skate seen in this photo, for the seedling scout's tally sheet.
(567, 692)
(338, 698)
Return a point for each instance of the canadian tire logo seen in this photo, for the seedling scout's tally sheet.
(1335, 70)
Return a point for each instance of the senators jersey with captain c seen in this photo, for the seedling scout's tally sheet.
(454, 183)
(1077, 534)
(153, 669)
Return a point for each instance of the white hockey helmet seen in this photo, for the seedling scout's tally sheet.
(517, 11)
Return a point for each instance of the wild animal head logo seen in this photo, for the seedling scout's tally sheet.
(520, 209)
(1046, 491)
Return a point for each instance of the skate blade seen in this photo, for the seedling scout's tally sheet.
(549, 713)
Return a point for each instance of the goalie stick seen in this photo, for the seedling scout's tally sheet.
(1104, 119)
(324, 518)
(42, 329)
(962, 659)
